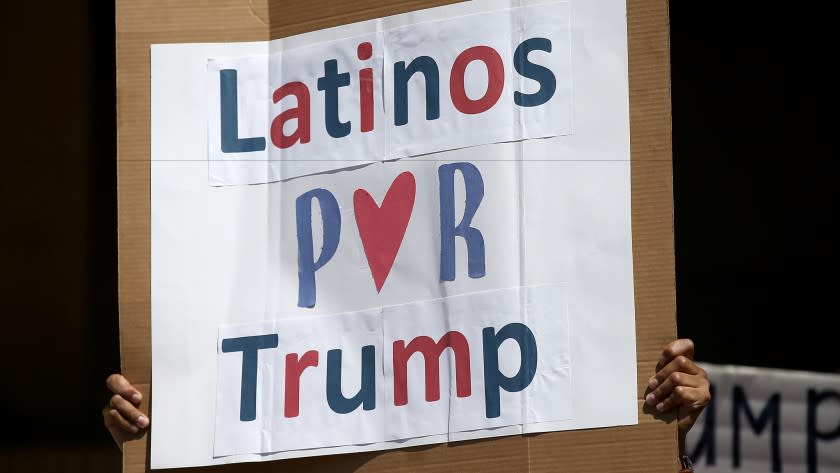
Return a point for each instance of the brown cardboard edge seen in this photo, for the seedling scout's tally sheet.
(651, 443)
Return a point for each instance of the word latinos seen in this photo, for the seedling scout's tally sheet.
(293, 125)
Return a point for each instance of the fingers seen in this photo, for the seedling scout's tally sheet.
(680, 364)
(672, 391)
(128, 412)
(117, 384)
(115, 422)
(680, 382)
(122, 417)
(680, 347)
(685, 396)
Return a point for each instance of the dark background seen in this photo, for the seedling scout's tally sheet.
(752, 211)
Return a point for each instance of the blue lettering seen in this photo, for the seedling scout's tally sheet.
(231, 142)
(541, 74)
(494, 380)
(814, 400)
(366, 397)
(249, 346)
(769, 413)
(429, 68)
(474, 187)
(307, 265)
(330, 83)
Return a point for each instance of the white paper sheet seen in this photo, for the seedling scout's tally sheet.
(304, 418)
(554, 211)
(514, 84)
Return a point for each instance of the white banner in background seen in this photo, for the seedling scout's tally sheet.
(768, 420)
(305, 316)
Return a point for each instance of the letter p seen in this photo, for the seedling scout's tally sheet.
(494, 379)
(331, 221)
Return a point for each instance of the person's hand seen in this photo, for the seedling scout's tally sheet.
(679, 383)
(123, 419)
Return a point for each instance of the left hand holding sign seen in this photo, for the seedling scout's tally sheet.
(123, 419)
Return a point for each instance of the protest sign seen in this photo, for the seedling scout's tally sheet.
(335, 214)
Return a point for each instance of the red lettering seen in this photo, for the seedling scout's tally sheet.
(495, 79)
(366, 98)
(300, 112)
(294, 368)
(431, 353)
(364, 52)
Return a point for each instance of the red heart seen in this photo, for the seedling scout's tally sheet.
(382, 228)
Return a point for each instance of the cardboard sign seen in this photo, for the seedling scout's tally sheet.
(369, 261)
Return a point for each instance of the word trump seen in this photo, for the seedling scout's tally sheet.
(401, 92)
(381, 228)
(461, 363)
(296, 366)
